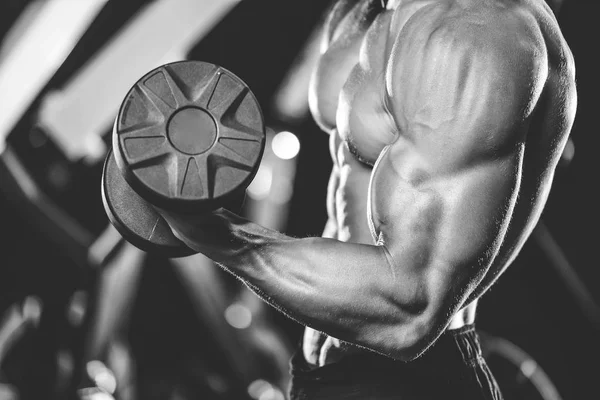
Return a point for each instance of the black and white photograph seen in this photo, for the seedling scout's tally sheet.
(299, 200)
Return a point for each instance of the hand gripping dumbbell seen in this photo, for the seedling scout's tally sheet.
(188, 138)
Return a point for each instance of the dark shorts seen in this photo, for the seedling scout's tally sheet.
(452, 368)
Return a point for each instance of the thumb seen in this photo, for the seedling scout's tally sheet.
(183, 226)
(198, 231)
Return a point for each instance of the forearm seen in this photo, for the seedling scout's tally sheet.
(349, 291)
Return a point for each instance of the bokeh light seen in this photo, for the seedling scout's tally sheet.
(285, 145)
(260, 187)
(238, 316)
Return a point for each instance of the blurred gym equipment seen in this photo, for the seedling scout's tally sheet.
(163, 31)
(517, 373)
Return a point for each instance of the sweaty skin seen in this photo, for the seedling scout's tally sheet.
(447, 119)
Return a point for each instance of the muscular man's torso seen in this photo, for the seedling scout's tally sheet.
(349, 99)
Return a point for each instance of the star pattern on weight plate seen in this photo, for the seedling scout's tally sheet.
(144, 142)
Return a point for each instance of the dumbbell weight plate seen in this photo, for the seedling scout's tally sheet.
(188, 138)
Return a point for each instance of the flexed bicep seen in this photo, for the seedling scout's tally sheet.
(443, 231)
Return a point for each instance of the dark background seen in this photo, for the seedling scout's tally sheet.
(259, 40)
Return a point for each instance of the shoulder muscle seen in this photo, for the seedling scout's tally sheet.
(471, 76)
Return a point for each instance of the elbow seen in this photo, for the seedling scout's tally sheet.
(410, 339)
(414, 341)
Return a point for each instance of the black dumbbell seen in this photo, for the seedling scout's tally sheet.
(188, 138)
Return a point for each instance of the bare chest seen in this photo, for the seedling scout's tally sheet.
(348, 91)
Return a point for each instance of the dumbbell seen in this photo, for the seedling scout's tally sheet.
(188, 138)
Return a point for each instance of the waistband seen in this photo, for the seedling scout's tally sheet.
(451, 353)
